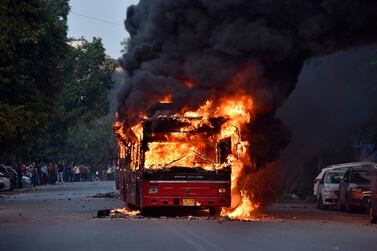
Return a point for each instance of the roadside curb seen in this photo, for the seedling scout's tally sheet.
(15, 191)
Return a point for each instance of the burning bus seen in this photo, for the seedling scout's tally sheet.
(180, 160)
(174, 161)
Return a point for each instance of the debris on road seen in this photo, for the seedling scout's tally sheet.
(103, 213)
(129, 214)
(106, 195)
(124, 213)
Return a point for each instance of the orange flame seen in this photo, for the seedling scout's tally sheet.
(188, 83)
(197, 150)
(244, 210)
(125, 211)
(166, 99)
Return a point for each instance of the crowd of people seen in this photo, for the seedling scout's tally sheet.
(43, 173)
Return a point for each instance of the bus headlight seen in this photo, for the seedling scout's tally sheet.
(153, 190)
(222, 190)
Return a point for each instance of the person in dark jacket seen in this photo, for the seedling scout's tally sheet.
(59, 177)
(19, 175)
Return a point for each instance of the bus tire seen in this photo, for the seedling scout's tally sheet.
(214, 211)
(372, 217)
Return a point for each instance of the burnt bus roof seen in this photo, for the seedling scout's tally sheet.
(160, 108)
(163, 124)
(176, 123)
(161, 118)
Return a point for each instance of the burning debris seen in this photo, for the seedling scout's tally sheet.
(129, 214)
(235, 60)
(123, 212)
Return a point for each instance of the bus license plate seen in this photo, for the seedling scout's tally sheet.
(188, 202)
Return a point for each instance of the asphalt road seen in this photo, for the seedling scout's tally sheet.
(63, 217)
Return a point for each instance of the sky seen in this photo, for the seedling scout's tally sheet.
(83, 21)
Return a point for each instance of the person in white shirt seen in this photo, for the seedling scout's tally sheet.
(77, 173)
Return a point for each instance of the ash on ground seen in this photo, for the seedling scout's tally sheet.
(202, 215)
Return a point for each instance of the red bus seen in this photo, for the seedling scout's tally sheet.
(174, 162)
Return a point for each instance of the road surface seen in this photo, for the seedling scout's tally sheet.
(63, 217)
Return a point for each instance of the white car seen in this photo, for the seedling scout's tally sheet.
(4, 183)
(26, 181)
(334, 167)
(328, 188)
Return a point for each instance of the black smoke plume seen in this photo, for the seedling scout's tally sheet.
(211, 41)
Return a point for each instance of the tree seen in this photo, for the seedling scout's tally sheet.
(90, 143)
(81, 130)
(87, 82)
(32, 45)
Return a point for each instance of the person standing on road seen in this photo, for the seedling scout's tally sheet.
(66, 172)
(51, 174)
(71, 172)
(35, 174)
(77, 173)
(44, 171)
(59, 177)
(82, 172)
(109, 173)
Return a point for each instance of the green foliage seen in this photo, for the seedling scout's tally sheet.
(53, 97)
(12, 119)
(87, 82)
(90, 143)
(32, 45)
(81, 131)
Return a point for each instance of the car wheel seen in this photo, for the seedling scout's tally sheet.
(11, 186)
(372, 217)
(340, 207)
(319, 203)
(349, 208)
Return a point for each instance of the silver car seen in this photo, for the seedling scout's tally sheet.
(328, 188)
(5, 183)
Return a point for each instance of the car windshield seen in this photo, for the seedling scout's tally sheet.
(361, 176)
(334, 177)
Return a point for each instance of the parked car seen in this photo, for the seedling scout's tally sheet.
(26, 181)
(13, 176)
(335, 167)
(5, 183)
(7, 175)
(328, 188)
(354, 189)
(373, 199)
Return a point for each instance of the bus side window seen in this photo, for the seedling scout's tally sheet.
(224, 148)
(128, 157)
(134, 156)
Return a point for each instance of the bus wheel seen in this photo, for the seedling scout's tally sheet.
(145, 211)
(214, 211)
(372, 217)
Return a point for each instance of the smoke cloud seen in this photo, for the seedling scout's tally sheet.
(261, 43)
(335, 97)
